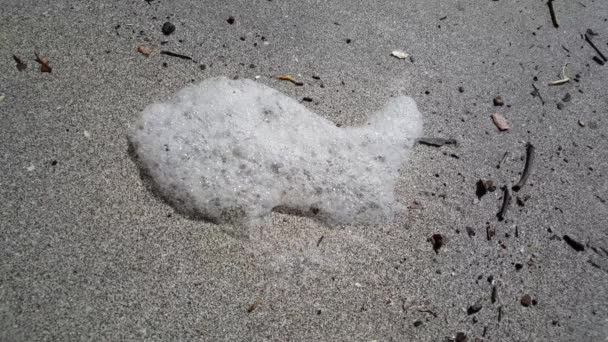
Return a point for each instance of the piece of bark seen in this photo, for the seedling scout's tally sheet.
(500, 122)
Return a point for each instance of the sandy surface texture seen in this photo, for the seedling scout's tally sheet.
(88, 253)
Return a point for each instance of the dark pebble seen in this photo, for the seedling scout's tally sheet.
(473, 309)
(252, 66)
(202, 66)
(461, 337)
(498, 101)
(567, 97)
(348, 41)
(560, 105)
(307, 99)
(417, 323)
(437, 241)
(577, 246)
(470, 231)
(526, 300)
(54, 162)
(230, 20)
(168, 28)
(518, 266)
(461, 89)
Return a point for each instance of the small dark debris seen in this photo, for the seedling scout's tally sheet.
(251, 66)
(520, 202)
(526, 300)
(591, 32)
(168, 28)
(20, 64)
(436, 142)
(490, 232)
(473, 309)
(320, 239)
(577, 246)
(252, 307)
(494, 295)
(560, 105)
(567, 97)
(173, 54)
(499, 101)
(518, 266)
(53, 162)
(470, 231)
(437, 241)
(417, 323)
(202, 67)
(348, 41)
(230, 20)
(482, 187)
(506, 202)
(307, 99)
(461, 337)
(165, 64)
(316, 77)
(461, 89)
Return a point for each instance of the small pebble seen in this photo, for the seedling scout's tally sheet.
(526, 300)
(168, 28)
(417, 323)
(461, 89)
(461, 337)
(567, 97)
(560, 105)
(230, 20)
(498, 101)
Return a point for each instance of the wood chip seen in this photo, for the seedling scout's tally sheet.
(290, 79)
(20, 64)
(144, 50)
(400, 54)
(44, 63)
(500, 122)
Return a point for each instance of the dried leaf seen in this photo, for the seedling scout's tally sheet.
(144, 50)
(44, 63)
(290, 79)
(500, 122)
(400, 54)
(20, 64)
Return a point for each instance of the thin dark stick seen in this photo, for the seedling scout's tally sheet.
(506, 200)
(436, 142)
(320, 239)
(552, 12)
(595, 48)
(527, 167)
(173, 54)
(537, 93)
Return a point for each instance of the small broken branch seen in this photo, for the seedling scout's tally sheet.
(320, 239)
(506, 201)
(527, 167)
(436, 142)
(44, 63)
(553, 15)
(290, 79)
(595, 48)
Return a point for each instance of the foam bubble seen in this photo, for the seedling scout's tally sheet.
(234, 150)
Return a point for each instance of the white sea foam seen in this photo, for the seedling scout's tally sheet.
(234, 150)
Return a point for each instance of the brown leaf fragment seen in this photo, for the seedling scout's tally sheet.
(20, 64)
(290, 79)
(500, 122)
(44, 63)
(144, 50)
